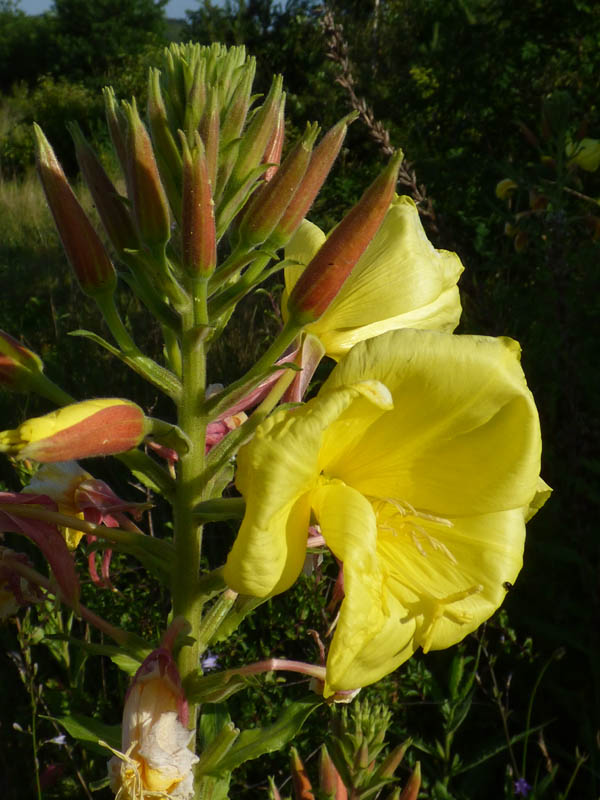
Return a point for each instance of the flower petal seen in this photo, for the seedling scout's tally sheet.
(463, 438)
(349, 526)
(275, 472)
(401, 281)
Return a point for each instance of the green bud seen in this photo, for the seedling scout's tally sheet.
(84, 249)
(268, 204)
(168, 157)
(198, 231)
(145, 189)
(111, 208)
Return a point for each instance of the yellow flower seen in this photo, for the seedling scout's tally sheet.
(585, 153)
(420, 461)
(400, 281)
(156, 760)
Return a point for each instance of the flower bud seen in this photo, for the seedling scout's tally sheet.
(257, 135)
(168, 156)
(84, 249)
(83, 430)
(210, 132)
(145, 189)
(198, 230)
(318, 168)
(411, 789)
(268, 204)
(117, 126)
(272, 154)
(113, 212)
(19, 367)
(325, 275)
(155, 760)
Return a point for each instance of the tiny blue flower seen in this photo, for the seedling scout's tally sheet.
(521, 787)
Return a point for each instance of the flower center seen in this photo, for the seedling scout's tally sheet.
(400, 518)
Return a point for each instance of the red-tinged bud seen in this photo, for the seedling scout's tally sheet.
(300, 781)
(117, 126)
(111, 208)
(91, 428)
(274, 147)
(325, 275)
(198, 231)
(393, 760)
(19, 367)
(84, 249)
(318, 169)
(411, 790)
(210, 132)
(257, 135)
(268, 204)
(330, 779)
(145, 189)
(168, 156)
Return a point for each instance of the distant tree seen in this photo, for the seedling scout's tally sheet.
(93, 36)
(23, 46)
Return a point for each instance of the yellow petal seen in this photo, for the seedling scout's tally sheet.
(275, 472)
(463, 438)
(348, 524)
(400, 281)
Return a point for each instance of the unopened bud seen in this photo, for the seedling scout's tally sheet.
(145, 189)
(300, 781)
(210, 132)
(82, 430)
(268, 204)
(117, 126)
(198, 231)
(411, 790)
(317, 171)
(84, 249)
(111, 208)
(325, 275)
(257, 135)
(19, 367)
(168, 157)
(272, 154)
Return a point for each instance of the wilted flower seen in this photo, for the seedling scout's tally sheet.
(420, 461)
(15, 591)
(401, 281)
(155, 760)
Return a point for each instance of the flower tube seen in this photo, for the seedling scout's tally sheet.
(420, 461)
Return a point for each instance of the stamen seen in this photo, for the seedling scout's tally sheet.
(404, 520)
(440, 610)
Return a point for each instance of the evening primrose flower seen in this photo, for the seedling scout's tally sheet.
(419, 459)
(156, 760)
(400, 281)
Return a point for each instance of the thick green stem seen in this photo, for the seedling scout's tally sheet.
(188, 532)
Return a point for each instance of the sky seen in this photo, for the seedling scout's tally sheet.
(175, 9)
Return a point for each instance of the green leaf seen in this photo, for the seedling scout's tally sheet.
(214, 688)
(258, 741)
(90, 731)
(158, 376)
